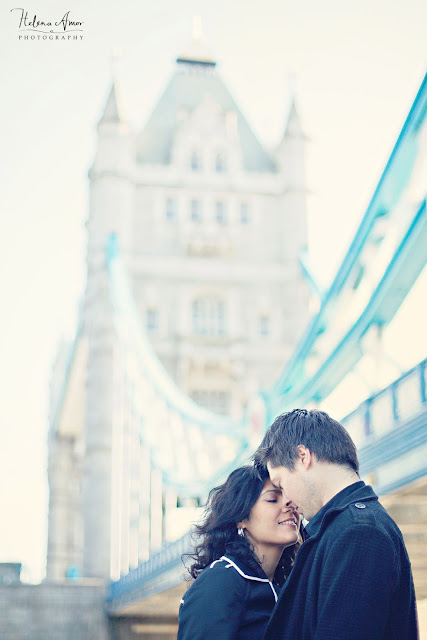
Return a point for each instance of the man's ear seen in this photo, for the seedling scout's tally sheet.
(305, 456)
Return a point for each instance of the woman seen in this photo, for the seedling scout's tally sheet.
(247, 543)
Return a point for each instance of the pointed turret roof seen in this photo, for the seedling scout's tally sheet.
(293, 128)
(185, 91)
(111, 111)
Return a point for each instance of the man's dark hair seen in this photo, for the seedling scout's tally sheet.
(316, 430)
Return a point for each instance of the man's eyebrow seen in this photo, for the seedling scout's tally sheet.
(276, 484)
(276, 490)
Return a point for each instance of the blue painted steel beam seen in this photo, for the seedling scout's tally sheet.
(385, 197)
(404, 268)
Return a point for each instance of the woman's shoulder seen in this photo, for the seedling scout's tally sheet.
(227, 572)
(224, 570)
(220, 580)
(214, 604)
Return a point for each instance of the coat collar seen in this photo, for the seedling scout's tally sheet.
(357, 492)
(242, 567)
(260, 576)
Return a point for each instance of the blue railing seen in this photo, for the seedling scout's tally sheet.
(394, 405)
(390, 431)
(167, 558)
(385, 426)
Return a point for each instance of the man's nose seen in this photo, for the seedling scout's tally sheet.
(287, 502)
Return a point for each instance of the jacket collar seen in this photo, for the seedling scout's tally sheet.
(243, 569)
(259, 576)
(357, 492)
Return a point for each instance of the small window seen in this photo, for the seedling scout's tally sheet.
(209, 317)
(152, 319)
(196, 211)
(220, 165)
(170, 209)
(195, 161)
(220, 212)
(264, 326)
(244, 213)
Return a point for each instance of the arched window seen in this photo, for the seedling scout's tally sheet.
(209, 317)
(196, 211)
(170, 210)
(244, 213)
(264, 326)
(195, 161)
(220, 212)
(220, 164)
(152, 319)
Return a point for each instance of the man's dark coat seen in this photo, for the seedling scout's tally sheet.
(351, 579)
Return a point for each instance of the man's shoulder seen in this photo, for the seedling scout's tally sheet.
(367, 512)
(366, 518)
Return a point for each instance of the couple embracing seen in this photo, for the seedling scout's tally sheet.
(258, 573)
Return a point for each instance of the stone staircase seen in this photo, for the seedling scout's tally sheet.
(408, 508)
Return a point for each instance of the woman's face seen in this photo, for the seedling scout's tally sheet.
(273, 519)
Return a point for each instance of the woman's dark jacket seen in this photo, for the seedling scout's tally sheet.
(351, 579)
(227, 602)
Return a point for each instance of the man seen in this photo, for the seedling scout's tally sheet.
(351, 578)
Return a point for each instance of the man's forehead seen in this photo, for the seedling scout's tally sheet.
(275, 481)
(276, 473)
(272, 469)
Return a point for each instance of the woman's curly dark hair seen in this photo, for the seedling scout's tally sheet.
(217, 534)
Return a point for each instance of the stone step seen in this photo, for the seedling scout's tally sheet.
(422, 617)
(408, 508)
(417, 550)
(418, 558)
(420, 583)
(413, 533)
(412, 510)
(418, 563)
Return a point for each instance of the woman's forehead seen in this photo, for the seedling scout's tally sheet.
(269, 486)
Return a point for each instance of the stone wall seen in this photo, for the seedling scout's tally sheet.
(53, 612)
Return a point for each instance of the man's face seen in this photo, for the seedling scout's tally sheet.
(293, 486)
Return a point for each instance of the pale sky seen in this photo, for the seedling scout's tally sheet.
(357, 66)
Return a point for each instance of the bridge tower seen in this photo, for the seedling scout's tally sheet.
(211, 227)
(111, 209)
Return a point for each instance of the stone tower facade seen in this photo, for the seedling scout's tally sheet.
(211, 227)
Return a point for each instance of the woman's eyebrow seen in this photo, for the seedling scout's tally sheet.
(271, 491)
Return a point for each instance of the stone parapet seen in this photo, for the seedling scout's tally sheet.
(53, 612)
